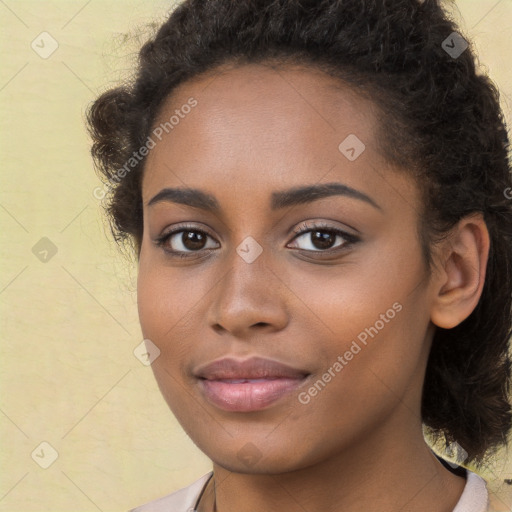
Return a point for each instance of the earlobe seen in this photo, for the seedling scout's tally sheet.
(460, 278)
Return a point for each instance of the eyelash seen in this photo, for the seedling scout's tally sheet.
(349, 239)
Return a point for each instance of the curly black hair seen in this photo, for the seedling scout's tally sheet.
(440, 120)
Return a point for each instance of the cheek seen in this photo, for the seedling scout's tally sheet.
(344, 302)
(376, 316)
(166, 298)
(163, 307)
(171, 307)
(153, 304)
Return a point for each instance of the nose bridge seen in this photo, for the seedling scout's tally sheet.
(249, 294)
(249, 276)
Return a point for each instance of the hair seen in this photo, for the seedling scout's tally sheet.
(439, 120)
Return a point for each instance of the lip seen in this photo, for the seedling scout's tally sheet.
(247, 385)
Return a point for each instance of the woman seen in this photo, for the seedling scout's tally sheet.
(316, 195)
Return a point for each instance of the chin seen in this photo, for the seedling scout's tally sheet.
(248, 459)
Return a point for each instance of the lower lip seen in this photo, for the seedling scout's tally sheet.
(251, 395)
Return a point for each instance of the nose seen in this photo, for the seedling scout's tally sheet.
(250, 298)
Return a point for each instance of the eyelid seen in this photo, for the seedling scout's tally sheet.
(185, 226)
(304, 227)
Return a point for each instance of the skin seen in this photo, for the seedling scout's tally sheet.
(358, 444)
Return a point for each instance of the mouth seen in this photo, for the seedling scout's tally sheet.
(250, 385)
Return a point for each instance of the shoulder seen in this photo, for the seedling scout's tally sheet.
(183, 500)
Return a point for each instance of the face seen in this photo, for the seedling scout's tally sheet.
(328, 280)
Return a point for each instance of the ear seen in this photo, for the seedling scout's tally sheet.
(459, 280)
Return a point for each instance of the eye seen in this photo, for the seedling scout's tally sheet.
(320, 237)
(185, 240)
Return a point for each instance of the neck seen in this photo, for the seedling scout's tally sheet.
(389, 472)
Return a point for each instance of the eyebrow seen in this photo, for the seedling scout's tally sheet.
(299, 195)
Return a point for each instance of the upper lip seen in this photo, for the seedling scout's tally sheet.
(252, 368)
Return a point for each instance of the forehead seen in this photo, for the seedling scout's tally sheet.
(261, 126)
(265, 84)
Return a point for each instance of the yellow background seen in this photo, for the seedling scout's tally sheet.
(69, 325)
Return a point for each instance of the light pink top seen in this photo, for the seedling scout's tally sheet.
(474, 498)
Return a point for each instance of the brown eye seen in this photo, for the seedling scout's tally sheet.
(319, 238)
(322, 239)
(186, 240)
(192, 240)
